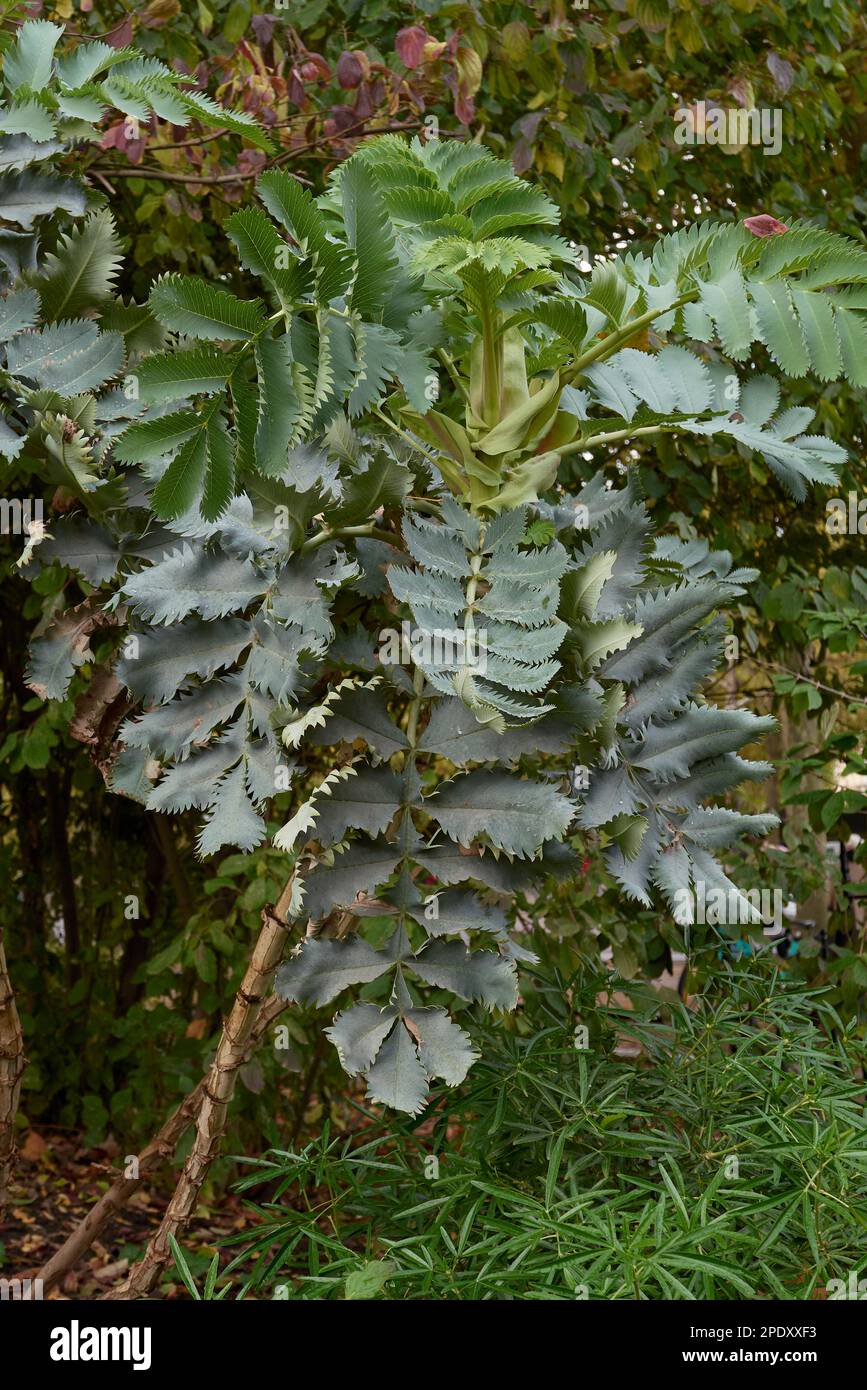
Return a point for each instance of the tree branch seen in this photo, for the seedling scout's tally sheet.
(218, 1089)
(160, 1149)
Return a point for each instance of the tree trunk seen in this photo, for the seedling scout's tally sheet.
(58, 811)
(12, 1063)
(219, 1088)
(137, 944)
(162, 827)
(159, 1149)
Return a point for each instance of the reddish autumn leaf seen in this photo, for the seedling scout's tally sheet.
(742, 91)
(315, 67)
(120, 137)
(409, 45)
(522, 157)
(295, 90)
(121, 37)
(349, 70)
(468, 66)
(263, 28)
(781, 71)
(764, 225)
(365, 103)
(342, 117)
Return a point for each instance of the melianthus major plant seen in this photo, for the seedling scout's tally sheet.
(377, 442)
(64, 331)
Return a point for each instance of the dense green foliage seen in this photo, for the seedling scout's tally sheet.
(565, 1173)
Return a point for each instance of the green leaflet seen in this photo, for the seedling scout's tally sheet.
(172, 376)
(29, 62)
(182, 482)
(27, 118)
(383, 483)
(55, 657)
(367, 800)
(611, 795)
(716, 827)
(232, 817)
(82, 271)
(153, 438)
(189, 581)
(163, 661)
(320, 969)
(455, 732)
(358, 1034)
(444, 1049)
(852, 328)
(360, 869)
(285, 403)
(821, 336)
(516, 816)
(67, 357)
(83, 546)
(263, 251)
(186, 305)
(664, 619)
(668, 750)
(18, 310)
(457, 910)
(726, 301)
(213, 114)
(369, 234)
(469, 974)
(397, 1077)
(27, 196)
(596, 641)
(363, 716)
(779, 329)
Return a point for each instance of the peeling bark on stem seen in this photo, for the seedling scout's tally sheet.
(160, 1149)
(218, 1089)
(12, 1064)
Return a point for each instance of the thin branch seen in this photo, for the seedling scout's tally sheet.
(615, 437)
(807, 680)
(188, 144)
(164, 176)
(167, 176)
(415, 444)
(219, 1087)
(453, 373)
(338, 532)
(606, 346)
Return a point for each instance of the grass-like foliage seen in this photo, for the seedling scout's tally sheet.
(727, 1161)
